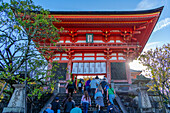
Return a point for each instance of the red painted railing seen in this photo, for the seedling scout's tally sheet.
(134, 44)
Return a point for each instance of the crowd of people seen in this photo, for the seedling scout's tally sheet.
(96, 90)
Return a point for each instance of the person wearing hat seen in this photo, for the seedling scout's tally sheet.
(105, 79)
(56, 105)
(97, 78)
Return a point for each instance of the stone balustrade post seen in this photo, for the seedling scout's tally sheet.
(143, 99)
(16, 103)
(57, 87)
(112, 84)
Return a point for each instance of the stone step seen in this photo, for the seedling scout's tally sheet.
(77, 98)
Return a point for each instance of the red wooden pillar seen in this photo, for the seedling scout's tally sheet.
(68, 75)
(73, 77)
(128, 74)
(108, 70)
(76, 80)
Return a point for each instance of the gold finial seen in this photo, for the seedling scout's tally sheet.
(106, 32)
(69, 55)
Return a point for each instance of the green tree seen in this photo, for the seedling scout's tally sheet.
(24, 27)
(158, 66)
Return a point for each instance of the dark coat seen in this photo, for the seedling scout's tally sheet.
(55, 106)
(71, 86)
(69, 106)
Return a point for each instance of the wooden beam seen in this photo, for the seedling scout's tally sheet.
(141, 28)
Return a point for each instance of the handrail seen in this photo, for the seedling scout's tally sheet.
(122, 107)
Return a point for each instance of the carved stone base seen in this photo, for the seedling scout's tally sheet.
(13, 110)
(16, 103)
(144, 101)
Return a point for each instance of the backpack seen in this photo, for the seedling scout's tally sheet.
(71, 86)
(79, 85)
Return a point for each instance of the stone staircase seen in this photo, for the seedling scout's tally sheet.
(77, 99)
(127, 103)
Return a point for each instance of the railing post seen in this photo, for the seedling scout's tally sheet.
(144, 101)
(57, 87)
(112, 83)
(16, 103)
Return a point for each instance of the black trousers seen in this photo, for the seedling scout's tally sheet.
(93, 91)
(80, 89)
(71, 90)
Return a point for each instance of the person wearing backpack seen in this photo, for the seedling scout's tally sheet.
(71, 87)
(110, 94)
(80, 86)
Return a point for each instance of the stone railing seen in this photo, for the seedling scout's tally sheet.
(56, 91)
(122, 87)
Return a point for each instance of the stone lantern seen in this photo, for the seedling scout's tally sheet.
(144, 103)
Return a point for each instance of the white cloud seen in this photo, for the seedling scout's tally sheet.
(162, 24)
(152, 45)
(150, 4)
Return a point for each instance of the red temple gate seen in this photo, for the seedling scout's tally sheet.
(102, 42)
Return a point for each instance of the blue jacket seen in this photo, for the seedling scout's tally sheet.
(49, 110)
(76, 110)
